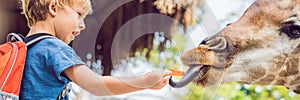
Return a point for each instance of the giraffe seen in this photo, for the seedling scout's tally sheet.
(262, 47)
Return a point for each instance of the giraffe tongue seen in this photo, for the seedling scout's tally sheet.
(189, 76)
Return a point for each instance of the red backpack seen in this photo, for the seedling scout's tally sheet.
(12, 61)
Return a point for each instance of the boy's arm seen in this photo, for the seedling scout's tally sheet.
(108, 85)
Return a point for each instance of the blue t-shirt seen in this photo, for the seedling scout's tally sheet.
(43, 77)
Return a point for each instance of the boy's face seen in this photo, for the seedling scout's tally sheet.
(69, 22)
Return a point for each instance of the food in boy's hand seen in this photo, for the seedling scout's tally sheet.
(176, 72)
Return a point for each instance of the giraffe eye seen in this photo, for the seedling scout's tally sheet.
(292, 30)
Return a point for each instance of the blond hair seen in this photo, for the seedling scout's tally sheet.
(36, 10)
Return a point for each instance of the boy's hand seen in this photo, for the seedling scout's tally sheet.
(157, 79)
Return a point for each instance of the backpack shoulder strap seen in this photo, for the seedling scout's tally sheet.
(11, 37)
(30, 40)
(64, 92)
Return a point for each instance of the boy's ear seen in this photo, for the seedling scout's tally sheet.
(52, 8)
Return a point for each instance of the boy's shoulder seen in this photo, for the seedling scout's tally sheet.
(53, 42)
(50, 45)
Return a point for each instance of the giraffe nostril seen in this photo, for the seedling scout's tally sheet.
(218, 43)
(204, 41)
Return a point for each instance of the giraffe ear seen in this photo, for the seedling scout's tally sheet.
(292, 30)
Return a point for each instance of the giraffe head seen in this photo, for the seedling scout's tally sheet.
(262, 47)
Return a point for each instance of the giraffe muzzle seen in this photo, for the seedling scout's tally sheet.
(211, 53)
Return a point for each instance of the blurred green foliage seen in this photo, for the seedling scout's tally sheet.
(236, 91)
(170, 58)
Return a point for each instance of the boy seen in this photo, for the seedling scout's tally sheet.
(51, 63)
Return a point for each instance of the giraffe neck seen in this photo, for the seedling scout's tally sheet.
(286, 73)
(276, 72)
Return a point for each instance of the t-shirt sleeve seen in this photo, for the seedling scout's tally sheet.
(63, 59)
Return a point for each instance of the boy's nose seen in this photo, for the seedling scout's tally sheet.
(81, 25)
